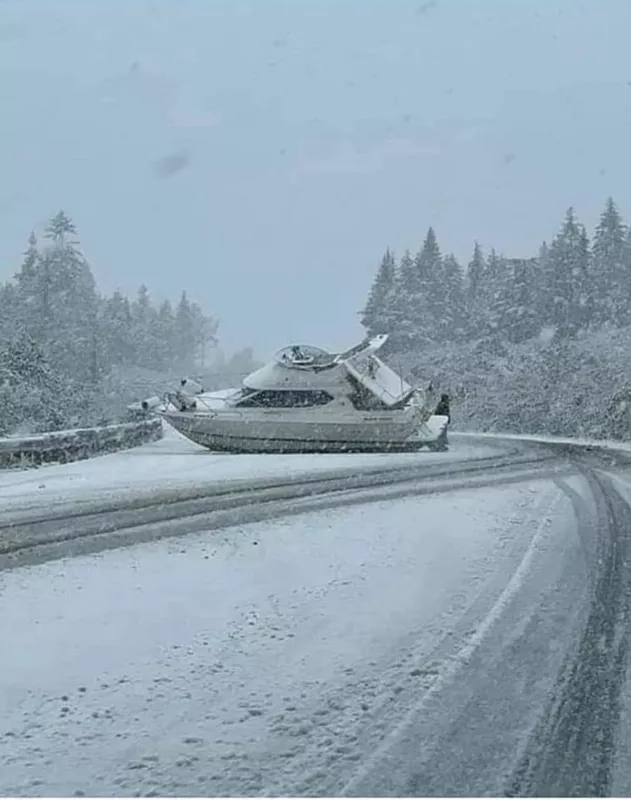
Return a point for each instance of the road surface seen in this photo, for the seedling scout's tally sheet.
(404, 627)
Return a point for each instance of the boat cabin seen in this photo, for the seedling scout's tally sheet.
(304, 376)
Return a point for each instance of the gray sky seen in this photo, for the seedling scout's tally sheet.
(263, 153)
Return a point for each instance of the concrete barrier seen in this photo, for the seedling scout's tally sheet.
(74, 445)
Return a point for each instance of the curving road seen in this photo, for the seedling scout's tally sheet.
(417, 627)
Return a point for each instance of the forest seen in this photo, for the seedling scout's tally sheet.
(537, 344)
(530, 344)
(70, 356)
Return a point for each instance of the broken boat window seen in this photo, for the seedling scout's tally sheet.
(362, 398)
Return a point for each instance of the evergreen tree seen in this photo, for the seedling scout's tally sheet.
(627, 248)
(452, 314)
(473, 287)
(521, 319)
(141, 309)
(567, 267)
(11, 312)
(185, 338)
(545, 288)
(68, 301)
(429, 267)
(56, 299)
(378, 314)
(30, 391)
(402, 308)
(60, 228)
(32, 291)
(205, 330)
(145, 338)
(583, 294)
(26, 297)
(27, 276)
(166, 335)
(475, 274)
(59, 338)
(610, 279)
(495, 294)
(427, 297)
(117, 329)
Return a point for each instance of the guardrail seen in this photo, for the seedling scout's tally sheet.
(74, 445)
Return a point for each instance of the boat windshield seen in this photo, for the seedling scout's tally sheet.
(285, 398)
(304, 355)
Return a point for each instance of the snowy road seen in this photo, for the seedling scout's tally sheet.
(175, 463)
(41, 520)
(463, 633)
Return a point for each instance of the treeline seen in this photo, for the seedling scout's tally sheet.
(60, 338)
(574, 283)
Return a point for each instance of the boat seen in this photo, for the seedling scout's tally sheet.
(308, 400)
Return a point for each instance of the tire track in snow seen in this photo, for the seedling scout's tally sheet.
(371, 776)
(34, 540)
(573, 750)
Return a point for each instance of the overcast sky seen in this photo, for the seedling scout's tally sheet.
(263, 153)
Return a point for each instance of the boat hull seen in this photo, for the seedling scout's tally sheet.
(225, 432)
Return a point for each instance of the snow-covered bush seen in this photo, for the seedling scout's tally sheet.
(575, 387)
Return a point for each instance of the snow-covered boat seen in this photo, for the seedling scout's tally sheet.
(309, 400)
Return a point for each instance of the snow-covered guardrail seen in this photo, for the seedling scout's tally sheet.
(64, 446)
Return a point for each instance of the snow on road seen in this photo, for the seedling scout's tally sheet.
(175, 462)
(270, 658)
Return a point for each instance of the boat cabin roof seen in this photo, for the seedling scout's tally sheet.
(304, 355)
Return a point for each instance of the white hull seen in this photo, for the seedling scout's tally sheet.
(276, 431)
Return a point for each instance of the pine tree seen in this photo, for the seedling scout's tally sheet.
(145, 337)
(32, 290)
(68, 301)
(627, 256)
(57, 300)
(567, 267)
(11, 312)
(402, 308)
(378, 314)
(26, 278)
(495, 295)
(205, 334)
(166, 334)
(142, 304)
(185, 339)
(30, 393)
(521, 319)
(475, 274)
(25, 360)
(474, 284)
(452, 313)
(118, 330)
(428, 296)
(60, 228)
(610, 280)
(583, 295)
(546, 275)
